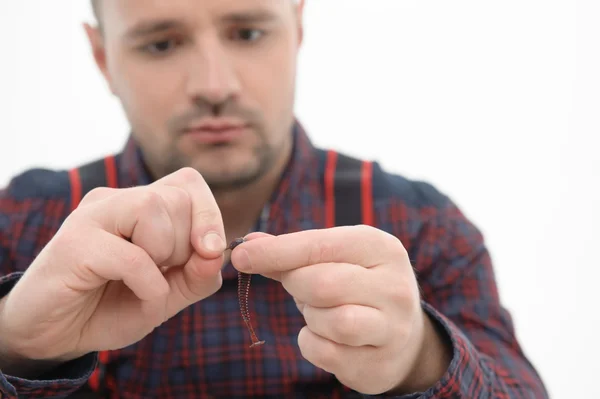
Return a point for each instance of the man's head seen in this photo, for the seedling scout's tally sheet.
(204, 83)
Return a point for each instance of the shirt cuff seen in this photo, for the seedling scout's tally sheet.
(464, 372)
(59, 382)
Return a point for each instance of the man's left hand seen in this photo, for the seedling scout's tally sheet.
(356, 288)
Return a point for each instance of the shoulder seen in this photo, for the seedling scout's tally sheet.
(423, 216)
(33, 199)
(32, 207)
(37, 184)
(387, 187)
(413, 209)
(412, 193)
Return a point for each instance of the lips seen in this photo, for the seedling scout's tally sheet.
(215, 131)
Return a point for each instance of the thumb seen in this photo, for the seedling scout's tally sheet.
(238, 254)
(257, 235)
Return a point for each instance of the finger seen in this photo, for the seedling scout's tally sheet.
(144, 218)
(160, 223)
(196, 280)
(257, 234)
(351, 325)
(207, 230)
(361, 245)
(328, 355)
(174, 244)
(137, 214)
(356, 367)
(321, 352)
(334, 284)
(253, 236)
(111, 258)
(97, 194)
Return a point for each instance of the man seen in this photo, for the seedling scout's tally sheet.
(130, 290)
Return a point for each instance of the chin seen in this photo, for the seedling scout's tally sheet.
(224, 173)
(228, 166)
(230, 182)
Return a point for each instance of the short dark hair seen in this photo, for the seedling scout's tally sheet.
(96, 8)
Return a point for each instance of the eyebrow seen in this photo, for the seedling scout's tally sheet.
(152, 27)
(250, 16)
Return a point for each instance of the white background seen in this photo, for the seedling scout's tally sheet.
(496, 103)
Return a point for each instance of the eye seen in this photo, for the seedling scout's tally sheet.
(161, 47)
(247, 34)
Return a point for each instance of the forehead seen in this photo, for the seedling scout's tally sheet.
(123, 13)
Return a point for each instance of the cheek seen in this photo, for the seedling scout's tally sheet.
(269, 81)
(147, 92)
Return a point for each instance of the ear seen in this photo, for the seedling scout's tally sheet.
(96, 41)
(300, 20)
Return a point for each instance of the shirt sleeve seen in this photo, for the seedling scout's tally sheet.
(58, 383)
(460, 294)
(21, 210)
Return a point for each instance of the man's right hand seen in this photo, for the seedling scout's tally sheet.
(123, 262)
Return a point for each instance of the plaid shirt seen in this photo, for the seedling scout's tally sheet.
(204, 350)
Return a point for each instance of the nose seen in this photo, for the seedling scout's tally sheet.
(212, 76)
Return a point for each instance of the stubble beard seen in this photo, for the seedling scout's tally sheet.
(265, 157)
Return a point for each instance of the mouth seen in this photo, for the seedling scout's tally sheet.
(216, 131)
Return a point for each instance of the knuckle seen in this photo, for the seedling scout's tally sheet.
(366, 229)
(96, 194)
(85, 262)
(66, 237)
(325, 287)
(346, 323)
(162, 251)
(181, 198)
(206, 215)
(148, 200)
(321, 252)
(178, 203)
(370, 232)
(403, 293)
(207, 219)
(135, 259)
(189, 175)
(398, 250)
(382, 239)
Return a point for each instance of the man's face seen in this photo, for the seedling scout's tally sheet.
(204, 83)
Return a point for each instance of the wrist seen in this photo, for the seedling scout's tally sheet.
(13, 361)
(18, 366)
(432, 361)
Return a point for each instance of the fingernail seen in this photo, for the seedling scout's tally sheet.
(243, 261)
(213, 242)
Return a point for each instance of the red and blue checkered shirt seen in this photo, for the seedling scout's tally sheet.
(204, 350)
